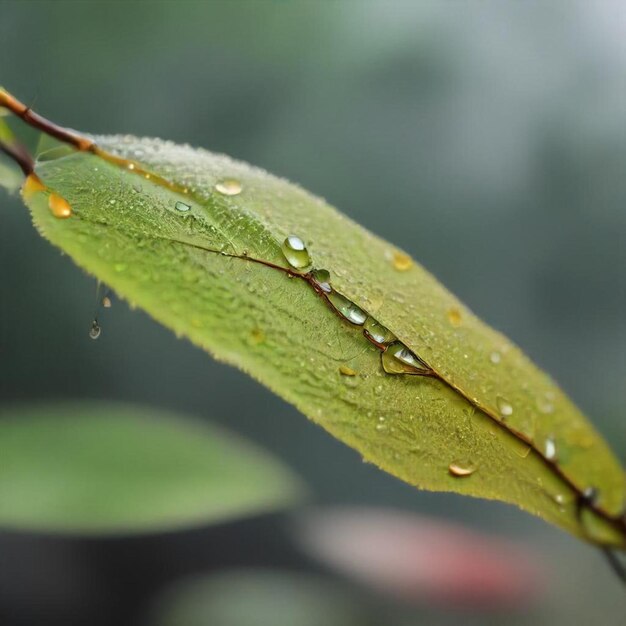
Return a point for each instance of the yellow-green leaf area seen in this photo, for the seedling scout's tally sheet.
(126, 230)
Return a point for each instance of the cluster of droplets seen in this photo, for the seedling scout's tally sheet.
(396, 358)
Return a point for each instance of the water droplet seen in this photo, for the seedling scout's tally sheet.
(401, 261)
(229, 187)
(377, 332)
(95, 330)
(59, 206)
(130, 166)
(454, 317)
(495, 357)
(322, 279)
(460, 469)
(296, 253)
(347, 308)
(344, 370)
(182, 207)
(106, 302)
(549, 448)
(504, 406)
(521, 448)
(544, 403)
(398, 359)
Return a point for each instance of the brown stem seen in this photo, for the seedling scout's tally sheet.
(34, 119)
(19, 154)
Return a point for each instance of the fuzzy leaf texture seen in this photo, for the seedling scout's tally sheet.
(489, 423)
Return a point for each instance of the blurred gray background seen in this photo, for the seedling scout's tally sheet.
(485, 138)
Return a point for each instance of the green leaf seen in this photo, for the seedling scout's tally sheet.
(94, 468)
(196, 239)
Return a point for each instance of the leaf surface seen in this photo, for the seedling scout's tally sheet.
(215, 273)
(93, 468)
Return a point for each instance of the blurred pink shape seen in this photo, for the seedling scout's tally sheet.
(416, 558)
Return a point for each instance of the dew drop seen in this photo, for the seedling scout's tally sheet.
(106, 302)
(401, 261)
(377, 332)
(461, 469)
(95, 330)
(495, 357)
(344, 370)
(398, 359)
(130, 166)
(59, 207)
(544, 404)
(454, 317)
(182, 207)
(296, 253)
(504, 406)
(322, 280)
(229, 187)
(347, 308)
(521, 448)
(549, 449)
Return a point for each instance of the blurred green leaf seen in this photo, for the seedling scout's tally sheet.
(195, 239)
(258, 598)
(94, 468)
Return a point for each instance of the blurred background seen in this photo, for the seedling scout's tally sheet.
(485, 138)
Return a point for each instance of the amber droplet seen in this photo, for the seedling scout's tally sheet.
(346, 371)
(460, 469)
(32, 185)
(59, 206)
(228, 187)
(401, 261)
(454, 317)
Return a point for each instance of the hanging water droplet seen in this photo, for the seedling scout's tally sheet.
(550, 448)
(322, 280)
(106, 302)
(454, 317)
(398, 359)
(460, 469)
(344, 370)
(377, 332)
(495, 357)
(504, 406)
(401, 261)
(59, 207)
(228, 187)
(296, 253)
(182, 207)
(95, 330)
(347, 308)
